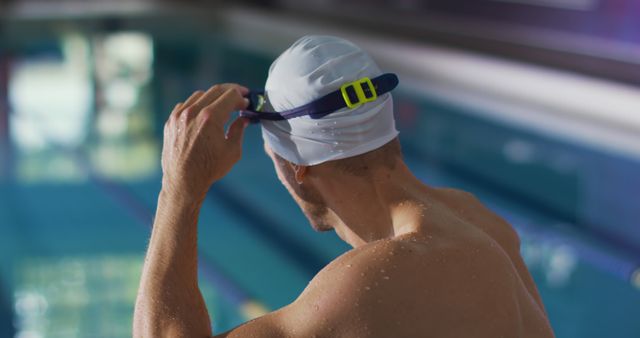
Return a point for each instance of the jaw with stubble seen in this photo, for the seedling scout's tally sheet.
(311, 204)
(309, 200)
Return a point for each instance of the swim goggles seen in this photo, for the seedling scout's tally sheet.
(350, 95)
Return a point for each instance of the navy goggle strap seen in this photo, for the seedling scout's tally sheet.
(349, 95)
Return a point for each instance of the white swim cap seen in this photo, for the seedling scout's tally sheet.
(311, 68)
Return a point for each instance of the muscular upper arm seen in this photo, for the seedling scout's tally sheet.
(343, 293)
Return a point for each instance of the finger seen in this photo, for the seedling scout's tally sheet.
(177, 107)
(218, 113)
(237, 126)
(235, 134)
(191, 100)
(244, 91)
(173, 112)
(220, 110)
(214, 93)
(210, 96)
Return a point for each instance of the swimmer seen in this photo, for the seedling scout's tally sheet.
(426, 261)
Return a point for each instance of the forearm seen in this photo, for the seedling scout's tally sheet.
(169, 302)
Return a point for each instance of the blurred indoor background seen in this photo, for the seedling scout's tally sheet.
(533, 105)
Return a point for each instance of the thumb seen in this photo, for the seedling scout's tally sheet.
(235, 133)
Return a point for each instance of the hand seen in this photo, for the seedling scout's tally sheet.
(196, 150)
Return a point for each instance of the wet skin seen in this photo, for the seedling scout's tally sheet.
(425, 262)
(459, 275)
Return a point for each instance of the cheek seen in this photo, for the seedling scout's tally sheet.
(286, 179)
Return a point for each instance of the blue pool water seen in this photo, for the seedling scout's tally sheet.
(71, 246)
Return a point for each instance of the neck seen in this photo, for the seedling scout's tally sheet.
(393, 202)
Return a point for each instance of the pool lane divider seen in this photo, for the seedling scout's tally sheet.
(229, 290)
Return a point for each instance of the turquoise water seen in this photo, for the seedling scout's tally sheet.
(75, 217)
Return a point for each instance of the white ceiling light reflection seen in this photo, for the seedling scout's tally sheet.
(51, 99)
(127, 53)
(121, 94)
(112, 123)
(561, 265)
(30, 304)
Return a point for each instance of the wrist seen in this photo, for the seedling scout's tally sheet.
(180, 195)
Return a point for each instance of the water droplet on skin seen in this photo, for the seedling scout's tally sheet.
(316, 307)
(382, 270)
(367, 288)
(385, 277)
(349, 265)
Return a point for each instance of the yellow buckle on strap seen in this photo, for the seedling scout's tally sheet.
(358, 87)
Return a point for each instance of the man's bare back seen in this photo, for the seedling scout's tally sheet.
(463, 273)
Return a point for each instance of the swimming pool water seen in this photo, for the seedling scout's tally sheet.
(71, 249)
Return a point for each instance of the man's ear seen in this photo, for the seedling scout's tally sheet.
(300, 172)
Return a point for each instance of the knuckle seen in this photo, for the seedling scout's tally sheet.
(206, 114)
(232, 94)
(229, 90)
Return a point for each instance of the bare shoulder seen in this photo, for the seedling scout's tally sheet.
(475, 212)
(404, 287)
(387, 263)
(401, 288)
